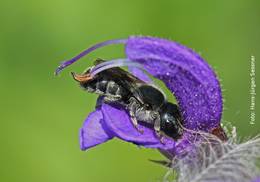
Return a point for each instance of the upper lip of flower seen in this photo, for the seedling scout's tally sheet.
(184, 72)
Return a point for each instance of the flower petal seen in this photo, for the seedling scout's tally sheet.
(186, 74)
(256, 180)
(118, 121)
(94, 131)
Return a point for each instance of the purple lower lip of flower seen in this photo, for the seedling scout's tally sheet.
(184, 72)
(256, 180)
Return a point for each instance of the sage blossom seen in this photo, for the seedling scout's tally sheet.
(198, 93)
(184, 72)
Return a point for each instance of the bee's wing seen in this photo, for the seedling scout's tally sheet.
(143, 92)
(128, 81)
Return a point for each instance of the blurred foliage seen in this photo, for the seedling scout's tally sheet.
(41, 114)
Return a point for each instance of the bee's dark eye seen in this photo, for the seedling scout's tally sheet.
(170, 121)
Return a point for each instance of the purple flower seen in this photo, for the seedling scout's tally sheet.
(256, 180)
(183, 71)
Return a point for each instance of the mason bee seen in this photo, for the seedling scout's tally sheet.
(144, 102)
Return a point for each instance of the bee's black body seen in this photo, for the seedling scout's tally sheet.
(144, 102)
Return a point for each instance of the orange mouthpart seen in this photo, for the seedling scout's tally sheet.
(81, 78)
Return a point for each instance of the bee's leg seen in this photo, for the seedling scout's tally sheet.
(131, 107)
(110, 98)
(157, 128)
(107, 100)
(99, 102)
(135, 122)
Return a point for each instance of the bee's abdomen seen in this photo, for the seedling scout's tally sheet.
(109, 88)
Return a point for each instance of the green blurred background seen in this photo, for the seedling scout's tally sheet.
(41, 114)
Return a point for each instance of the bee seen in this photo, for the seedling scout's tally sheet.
(144, 102)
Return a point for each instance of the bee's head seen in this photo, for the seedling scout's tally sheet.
(171, 120)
